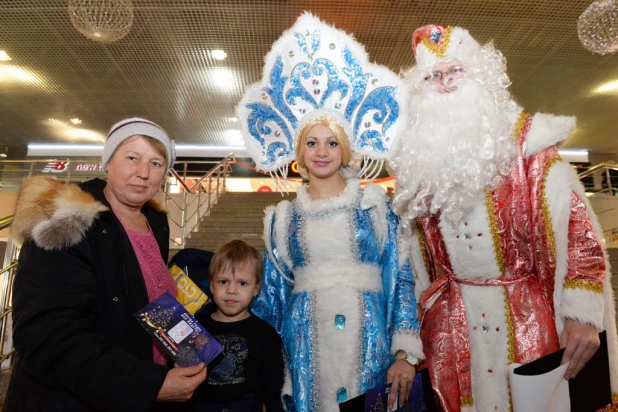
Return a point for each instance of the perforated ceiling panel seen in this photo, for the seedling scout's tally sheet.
(163, 69)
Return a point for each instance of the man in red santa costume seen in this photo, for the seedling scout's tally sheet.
(506, 248)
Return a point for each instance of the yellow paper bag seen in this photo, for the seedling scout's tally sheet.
(189, 294)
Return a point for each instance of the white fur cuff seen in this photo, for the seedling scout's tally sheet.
(409, 341)
(584, 306)
(547, 130)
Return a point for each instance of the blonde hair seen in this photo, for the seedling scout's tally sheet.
(338, 132)
(234, 255)
(154, 143)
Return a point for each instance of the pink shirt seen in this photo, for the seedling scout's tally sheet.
(156, 275)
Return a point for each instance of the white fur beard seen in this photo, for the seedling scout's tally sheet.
(456, 145)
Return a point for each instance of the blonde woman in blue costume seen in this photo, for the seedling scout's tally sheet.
(335, 285)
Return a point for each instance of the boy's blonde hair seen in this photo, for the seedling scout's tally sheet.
(234, 255)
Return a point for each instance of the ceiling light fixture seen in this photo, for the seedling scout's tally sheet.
(221, 78)
(64, 130)
(47, 149)
(597, 27)
(43, 146)
(65, 150)
(104, 21)
(233, 134)
(11, 73)
(218, 54)
(207, 147)
(607, 87)
(575, 152)
(4, 57)
(574, 155)
(85, 134)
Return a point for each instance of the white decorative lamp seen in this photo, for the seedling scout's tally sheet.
(597, 27)
(104, 21)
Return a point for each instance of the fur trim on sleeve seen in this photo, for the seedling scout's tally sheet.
(274, 236)
(584, 306)
(547, 130)
(408, 341)
(421, 277)
(54, 214)
(375, 198)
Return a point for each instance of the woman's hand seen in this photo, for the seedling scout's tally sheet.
(180, 383)
(400, 375)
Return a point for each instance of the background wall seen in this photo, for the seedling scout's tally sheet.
(7, 205)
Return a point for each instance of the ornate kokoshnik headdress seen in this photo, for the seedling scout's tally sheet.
(316, 70)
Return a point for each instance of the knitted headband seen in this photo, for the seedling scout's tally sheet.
(136, 126)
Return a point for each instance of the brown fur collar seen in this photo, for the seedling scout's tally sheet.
(153, 204)
(55, 214)
(52, 213)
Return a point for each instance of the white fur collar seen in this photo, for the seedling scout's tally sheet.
(345, 198)
(373, 195)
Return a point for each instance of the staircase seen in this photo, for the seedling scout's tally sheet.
(235, 216)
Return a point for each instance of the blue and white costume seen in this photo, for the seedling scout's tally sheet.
(339, 293)
(335, 286)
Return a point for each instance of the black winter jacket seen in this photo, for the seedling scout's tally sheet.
(77, 286)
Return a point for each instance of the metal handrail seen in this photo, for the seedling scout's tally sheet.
(6, 222)
(596, 168)
(6, 275)
(6, 355)
(6, 269)
(228, 159)
(601, 168)
(605, 211)
(170, 199)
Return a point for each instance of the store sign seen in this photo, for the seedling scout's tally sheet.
(62, 165)
(89, 167)
(57, 166)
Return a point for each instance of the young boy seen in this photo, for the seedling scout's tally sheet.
(249, 373)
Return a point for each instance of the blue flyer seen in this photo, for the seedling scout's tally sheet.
(177, 332)
(421, 398)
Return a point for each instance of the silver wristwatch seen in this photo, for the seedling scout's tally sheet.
(403, 355)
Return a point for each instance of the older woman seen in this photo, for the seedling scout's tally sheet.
(93, 255)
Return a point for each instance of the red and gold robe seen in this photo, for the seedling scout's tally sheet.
(497, 288)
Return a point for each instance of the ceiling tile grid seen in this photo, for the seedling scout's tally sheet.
(163, 69)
